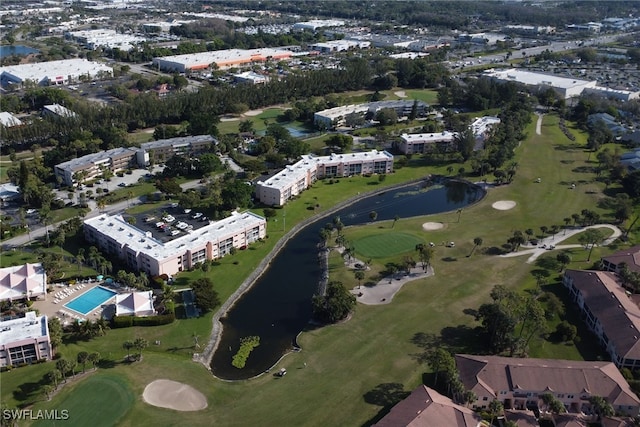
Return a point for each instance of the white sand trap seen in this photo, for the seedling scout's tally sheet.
(401, 94)
(228, 119)
(504, 205)
(253, 112)
(174, 395)
(428, 226)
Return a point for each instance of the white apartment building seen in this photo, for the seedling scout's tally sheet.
(424, 142)
(334, 117)
(92, 166)
(296, 178)
(24, 340)
(143, 251)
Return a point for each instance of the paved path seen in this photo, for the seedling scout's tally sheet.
(535, 252)
(539, 124)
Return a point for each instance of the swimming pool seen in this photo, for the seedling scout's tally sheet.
(90, 300)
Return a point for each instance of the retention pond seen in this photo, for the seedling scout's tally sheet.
(278, 306)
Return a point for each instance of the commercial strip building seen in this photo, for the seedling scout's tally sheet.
(565, 86)
(223, 59)
(145, 251)
(23, 281)
(24, 340)
(296, 178)
(609, 312)
(334, 117)
(315, 24)
(519, 383)
(340, 46)
(92, 166)
(66, 71)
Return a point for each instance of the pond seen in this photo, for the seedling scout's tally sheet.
(278, 306)
(8, 50)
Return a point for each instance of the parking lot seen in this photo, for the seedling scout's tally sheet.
(171, 222)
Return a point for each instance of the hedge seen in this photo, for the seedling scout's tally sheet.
(128, 321)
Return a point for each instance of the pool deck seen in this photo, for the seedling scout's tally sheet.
(66, 315)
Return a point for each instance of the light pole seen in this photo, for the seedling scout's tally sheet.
(284, 220)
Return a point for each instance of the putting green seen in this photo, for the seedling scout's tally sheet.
(100, 400)
(385, 245)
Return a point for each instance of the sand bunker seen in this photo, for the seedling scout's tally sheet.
(253, 112)
(174, 395)
(401, 94)
(427, 226)
(504, 205)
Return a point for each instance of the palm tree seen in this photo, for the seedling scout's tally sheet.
(54, 376)
(140, 344)
(359, 277)
(373, 215)
(82, 358)
(80, 258)
(395, 219)
(128, 345)
(48, 390)
(476, 242)
(94, 358)
(63, 366)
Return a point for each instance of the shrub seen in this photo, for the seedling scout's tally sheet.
(121, 322)
(154, 320)
(247, 344)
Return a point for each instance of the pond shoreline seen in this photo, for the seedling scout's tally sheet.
(206, 355)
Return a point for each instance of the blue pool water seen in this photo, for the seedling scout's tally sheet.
(91, 299)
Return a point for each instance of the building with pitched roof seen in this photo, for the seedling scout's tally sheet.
(609, 312)
(24, 340)
(296, 178)
(22, 281)
(519, 382)
(138, 304)
(426, 407)
(8, 120)
(630, 257)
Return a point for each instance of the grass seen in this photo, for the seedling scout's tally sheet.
(347, 363)
(100, 400)
(385, 244)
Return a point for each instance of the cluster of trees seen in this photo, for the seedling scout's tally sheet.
(206, 297)
(335, 305)
(88, 329)
(31, 177)
(192, 167)
(138, 344)
(511, 320)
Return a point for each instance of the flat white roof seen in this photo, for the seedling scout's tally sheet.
(193, 59)
(38, 71)
(297, 171)
(120, 230)
(28, 327)
(445, 136)
(533, 79)
(93, 158)
(178, 141)
(480, 125)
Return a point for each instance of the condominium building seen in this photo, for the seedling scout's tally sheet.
(92, 166)
(24, 340)
(609, 312)
(425, 142)
(294, 179)
(146, 251)
(163, 149)
(519, 383)
(333, 117)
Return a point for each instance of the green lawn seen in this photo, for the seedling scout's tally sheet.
(347, 362)
(385, 244)
(100, 400)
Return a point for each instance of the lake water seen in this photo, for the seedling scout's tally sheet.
(278, 306)
(8, 50)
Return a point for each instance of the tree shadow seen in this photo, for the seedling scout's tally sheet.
(463, 339)
(449, 259)
(29, 391)
(106, 364)
(494, 250)
(386, 395)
